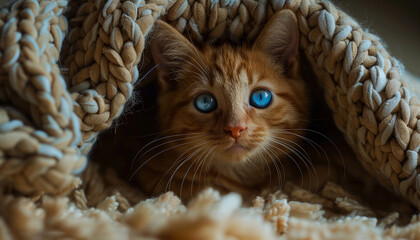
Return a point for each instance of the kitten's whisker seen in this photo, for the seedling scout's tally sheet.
(308, 140)
(198, 167)
(147, 73)
(144, 163)
(166, 137)
(275, 159)
(306, 161)
(168, 142)
(315, 146)
(262, 156)
(152, 134)
(250, 162)
(261, 153)
(192, 163)
(188, 169)
(177, 160)
(208, 167)
(291, 158)
(159, 139)
(211, 160)
(320, 134)
(325, 137)
(261, 160)
(183, 162)
(294, 143)
(292, 149)
(301, 156)
(271, 155)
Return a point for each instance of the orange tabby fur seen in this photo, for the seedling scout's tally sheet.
(197, 151)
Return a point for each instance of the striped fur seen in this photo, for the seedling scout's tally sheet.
(195, 151)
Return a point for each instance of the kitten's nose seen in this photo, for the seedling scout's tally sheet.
(235, 131)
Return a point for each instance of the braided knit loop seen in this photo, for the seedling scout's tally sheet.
(38, 129)
(364, 86)
(106, 45)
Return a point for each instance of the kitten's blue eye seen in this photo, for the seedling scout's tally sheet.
(205, 102)
(261, 98)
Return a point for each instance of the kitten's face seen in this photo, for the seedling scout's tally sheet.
(231, 105)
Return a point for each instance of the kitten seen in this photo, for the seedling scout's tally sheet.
(230, 116)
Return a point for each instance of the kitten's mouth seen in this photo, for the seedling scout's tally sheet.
(236, 152)
(237, 147)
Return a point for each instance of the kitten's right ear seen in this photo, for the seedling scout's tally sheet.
(170, 50)
(280, 40)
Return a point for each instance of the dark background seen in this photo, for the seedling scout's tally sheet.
(397, 23)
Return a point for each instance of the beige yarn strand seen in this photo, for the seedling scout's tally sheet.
(103, 70)
(38, 129)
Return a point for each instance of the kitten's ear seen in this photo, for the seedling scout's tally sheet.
(170, 50)
(280, 39)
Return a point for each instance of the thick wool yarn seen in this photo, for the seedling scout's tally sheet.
(50, 120)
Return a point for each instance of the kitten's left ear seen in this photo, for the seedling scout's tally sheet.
(280, 39)
(170, 50)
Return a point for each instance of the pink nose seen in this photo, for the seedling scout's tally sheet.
(235, 131)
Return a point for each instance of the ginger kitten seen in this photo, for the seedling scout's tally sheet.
(229, 116)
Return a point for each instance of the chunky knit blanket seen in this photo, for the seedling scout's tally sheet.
(67, 70)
